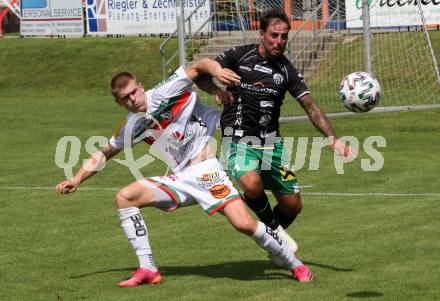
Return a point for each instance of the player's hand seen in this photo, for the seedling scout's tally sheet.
(226, 76)
(67, 186)
(223, 97)
(343, 150)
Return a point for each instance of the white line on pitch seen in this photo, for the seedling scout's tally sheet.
(369, 194)
(81, 188)
(53, 188)
(305, 193)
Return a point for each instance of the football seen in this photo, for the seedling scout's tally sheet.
(359, 92)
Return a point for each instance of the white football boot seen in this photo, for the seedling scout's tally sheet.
(291, 243)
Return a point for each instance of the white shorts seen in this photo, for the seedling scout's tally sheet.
(205, 183)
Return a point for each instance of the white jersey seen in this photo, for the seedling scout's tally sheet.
(175, 124)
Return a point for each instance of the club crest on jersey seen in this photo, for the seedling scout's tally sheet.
(262, 69)
(167, 115)
(278, 78)
(220, 191)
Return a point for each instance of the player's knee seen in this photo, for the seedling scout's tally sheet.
(290, 206)
(295, 207)
(298, 207)
(124, 198)
(252, 185)
(246, 227)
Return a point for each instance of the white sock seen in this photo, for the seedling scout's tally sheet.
(270, 242)
(137, 233)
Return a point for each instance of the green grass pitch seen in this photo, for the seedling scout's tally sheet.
(365, 235)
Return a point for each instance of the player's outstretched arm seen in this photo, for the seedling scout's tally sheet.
(89, 169)
(341, 149)
(322, 124)
(208, 66)
(205, 83)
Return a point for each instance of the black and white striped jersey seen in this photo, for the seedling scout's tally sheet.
(259, 96)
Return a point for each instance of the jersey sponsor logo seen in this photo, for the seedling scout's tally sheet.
(213, 176)
(238, 115)
(206, 180)
(267, 104)
(238, 133)
(245, 68)
(258, 89)
(287, 173)
(178, 145)
(263, 69)
(220, 191)
(278, 78)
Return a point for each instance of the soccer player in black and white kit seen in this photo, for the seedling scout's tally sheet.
(251, 120)
(197, 178)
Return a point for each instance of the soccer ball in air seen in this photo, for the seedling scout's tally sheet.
(359, 92)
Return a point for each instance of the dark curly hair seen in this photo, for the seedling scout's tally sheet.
(273, 14)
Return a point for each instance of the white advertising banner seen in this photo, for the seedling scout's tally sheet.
(51, 17)
(384, 13)
(142, 16)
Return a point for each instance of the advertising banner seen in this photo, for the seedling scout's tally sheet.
(384, 13)
(51, 17)
(133, 17)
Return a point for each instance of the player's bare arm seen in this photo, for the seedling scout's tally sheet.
(202, 73)
(207, 66)
(87, 170)
(316, 116)
(322, 124)
(205, 83)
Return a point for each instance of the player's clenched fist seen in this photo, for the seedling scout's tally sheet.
(67, 186)
(223, 97)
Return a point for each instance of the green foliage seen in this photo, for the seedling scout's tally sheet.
(76, 67)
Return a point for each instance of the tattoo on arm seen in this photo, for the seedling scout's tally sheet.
(316, 116)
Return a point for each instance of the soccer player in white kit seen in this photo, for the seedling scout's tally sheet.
(169, 118)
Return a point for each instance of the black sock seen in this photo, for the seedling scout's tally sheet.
(262, 209)
(284, 220)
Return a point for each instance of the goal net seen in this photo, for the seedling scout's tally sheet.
(327, 43)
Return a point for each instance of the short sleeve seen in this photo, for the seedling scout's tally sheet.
(129, 132)
(173, 86)
(296, 86)
(229, 58)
